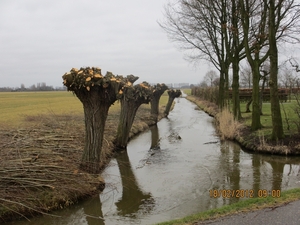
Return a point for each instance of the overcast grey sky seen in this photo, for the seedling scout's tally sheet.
(41, 40)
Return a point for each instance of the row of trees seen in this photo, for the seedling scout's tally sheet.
(97, 93)
(287, 78)
(35, 87)
(227, 32)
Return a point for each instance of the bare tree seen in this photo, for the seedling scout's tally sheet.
(200, 28)
(210, 76)
(253, 15)
(246, 76)
(265, 23)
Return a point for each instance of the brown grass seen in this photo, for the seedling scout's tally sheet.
(227, 126)
(39, 161)
(254, 141)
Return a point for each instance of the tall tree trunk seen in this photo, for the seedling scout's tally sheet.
(261, 95)
(221, 100)
(236, 109)
(277, 131)
(256, 124)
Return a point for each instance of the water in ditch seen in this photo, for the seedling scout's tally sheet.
(175, 169)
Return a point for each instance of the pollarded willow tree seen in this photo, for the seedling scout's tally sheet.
(172, 95)
(96, 93)
(132, 97)
(158, 90)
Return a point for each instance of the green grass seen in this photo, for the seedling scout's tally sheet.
(287, 113)
(241, 206)
(16, 106)
(187, 91)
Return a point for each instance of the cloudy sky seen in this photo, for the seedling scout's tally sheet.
(41, 40)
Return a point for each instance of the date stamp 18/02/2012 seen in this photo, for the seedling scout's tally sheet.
(243, 193)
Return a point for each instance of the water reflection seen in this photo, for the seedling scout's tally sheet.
(154, 138)
(133, 198)
(179, 174)
(93, 211)
(256, 164)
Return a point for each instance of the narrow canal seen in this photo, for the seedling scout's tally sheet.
(169, 171)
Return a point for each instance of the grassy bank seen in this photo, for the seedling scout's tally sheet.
(250, 204)
(257, 141)
(41, 140)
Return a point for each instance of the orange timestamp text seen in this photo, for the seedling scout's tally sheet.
(243, 193)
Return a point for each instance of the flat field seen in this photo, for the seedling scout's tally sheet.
(41, 142)
(17, 107)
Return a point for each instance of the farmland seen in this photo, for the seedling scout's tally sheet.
(41, 139)
(15, 107)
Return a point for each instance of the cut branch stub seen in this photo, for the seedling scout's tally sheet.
(160, 88)
(140, 92)
(87, 78)
(174, 93)
(131, 78)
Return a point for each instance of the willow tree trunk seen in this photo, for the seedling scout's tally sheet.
(277, 130)
(127, 114)
(95, 113)
(132, 98)
(172, 95)
(155, 102)
(155, 107)
(168, 106)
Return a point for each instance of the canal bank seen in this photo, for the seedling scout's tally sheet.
(171, 170)
(253, 141)
(39, 163)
